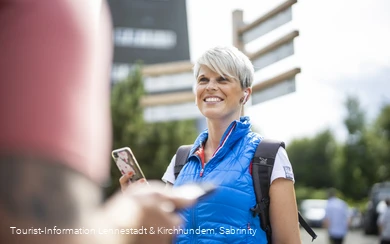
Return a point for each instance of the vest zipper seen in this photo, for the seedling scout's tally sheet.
(219, 147)
(202, 170)
(200, 160)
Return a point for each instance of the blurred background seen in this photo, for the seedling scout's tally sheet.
(321, 85)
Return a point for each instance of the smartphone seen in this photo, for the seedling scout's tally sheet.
(126, 163)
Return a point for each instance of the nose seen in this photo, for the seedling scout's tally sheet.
(212, 85)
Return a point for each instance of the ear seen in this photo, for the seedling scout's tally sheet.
(247, 93)
(246, 96)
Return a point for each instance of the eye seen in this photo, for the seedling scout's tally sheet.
(222, 79)
(203, 80)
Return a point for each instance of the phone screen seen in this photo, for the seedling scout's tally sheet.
(126, 163)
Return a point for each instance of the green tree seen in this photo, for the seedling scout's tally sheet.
(358, 169)
(352, 167)
(381, 143)
(312, 160)
(153, 144)
(160, 144)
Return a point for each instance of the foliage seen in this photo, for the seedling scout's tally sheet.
(312, 160)
(303, 193)
(351, 167)
(366, 160)
(153, 144)
(381, 143)
(356, 153)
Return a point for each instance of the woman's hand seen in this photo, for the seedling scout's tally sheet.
(125, 181)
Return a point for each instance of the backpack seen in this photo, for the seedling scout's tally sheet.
(262, 165)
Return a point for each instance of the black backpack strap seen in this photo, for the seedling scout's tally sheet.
(182, 154)
(262, 165)
(309, 230)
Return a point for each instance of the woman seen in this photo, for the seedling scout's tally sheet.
(222, 155)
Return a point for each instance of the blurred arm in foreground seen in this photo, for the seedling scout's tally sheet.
(55, 130)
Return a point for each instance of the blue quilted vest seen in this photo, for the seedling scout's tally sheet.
(225, 216)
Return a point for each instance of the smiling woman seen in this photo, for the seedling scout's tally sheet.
(222, 155)
(219, 97)
(219, 90)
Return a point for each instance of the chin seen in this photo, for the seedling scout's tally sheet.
(212, 113)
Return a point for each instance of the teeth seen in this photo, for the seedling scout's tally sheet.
(212, 99)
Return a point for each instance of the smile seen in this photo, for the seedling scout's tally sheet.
(212, 99)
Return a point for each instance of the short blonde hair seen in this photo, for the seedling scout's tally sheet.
(227, 61)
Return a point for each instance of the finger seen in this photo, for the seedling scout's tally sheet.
(142, 182)
(124, 182)
(125, 178)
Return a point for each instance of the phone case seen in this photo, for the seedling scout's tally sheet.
(126, 163)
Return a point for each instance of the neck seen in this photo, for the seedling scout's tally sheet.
(216, 129)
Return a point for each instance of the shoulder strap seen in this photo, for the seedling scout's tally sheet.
(308, 229)
(182, 154)
(262, 165)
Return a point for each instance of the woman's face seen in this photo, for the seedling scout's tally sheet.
(218, 97)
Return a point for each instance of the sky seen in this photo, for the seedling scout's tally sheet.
(343, 48)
